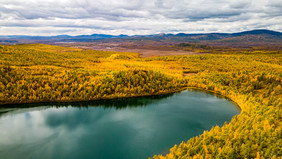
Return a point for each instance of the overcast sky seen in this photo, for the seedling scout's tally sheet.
(74, 17)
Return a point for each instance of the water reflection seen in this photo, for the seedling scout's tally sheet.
(109, 103)
(131, 128)
(116, 103)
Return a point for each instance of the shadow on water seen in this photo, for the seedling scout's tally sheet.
(118, 103)
(216, 95)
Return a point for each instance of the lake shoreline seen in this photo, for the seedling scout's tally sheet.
(10, 104)
(68, 102)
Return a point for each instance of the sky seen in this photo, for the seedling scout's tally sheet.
(137, 17)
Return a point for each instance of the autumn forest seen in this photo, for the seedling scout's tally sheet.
(35, 73)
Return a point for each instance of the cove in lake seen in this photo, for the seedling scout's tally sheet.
(123, 128)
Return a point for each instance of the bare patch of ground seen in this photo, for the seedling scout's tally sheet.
(153, 53)
(143, 52)
(158, 50)
(189, 74)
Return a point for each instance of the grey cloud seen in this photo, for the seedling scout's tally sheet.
(145, 15)
(240, 5)
(195, 11)
(159, 3)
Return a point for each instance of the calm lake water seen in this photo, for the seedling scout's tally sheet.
(117, 129)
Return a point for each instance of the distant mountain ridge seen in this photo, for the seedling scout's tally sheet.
(252, 36)
(259, 31)
(93, 36)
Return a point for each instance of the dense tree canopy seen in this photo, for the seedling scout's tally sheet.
(44, 73)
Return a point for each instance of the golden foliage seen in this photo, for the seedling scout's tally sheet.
(44, 73)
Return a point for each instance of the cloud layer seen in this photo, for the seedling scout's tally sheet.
(73, 17)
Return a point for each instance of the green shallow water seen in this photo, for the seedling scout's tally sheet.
(116, 129)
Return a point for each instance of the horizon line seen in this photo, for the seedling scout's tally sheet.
(1, 36)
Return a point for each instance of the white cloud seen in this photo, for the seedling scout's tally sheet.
(73, 17)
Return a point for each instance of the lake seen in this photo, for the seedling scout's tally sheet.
(129, 128)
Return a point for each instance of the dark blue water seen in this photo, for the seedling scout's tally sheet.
(116, 129)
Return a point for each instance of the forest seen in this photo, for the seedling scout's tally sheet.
(34, 73)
